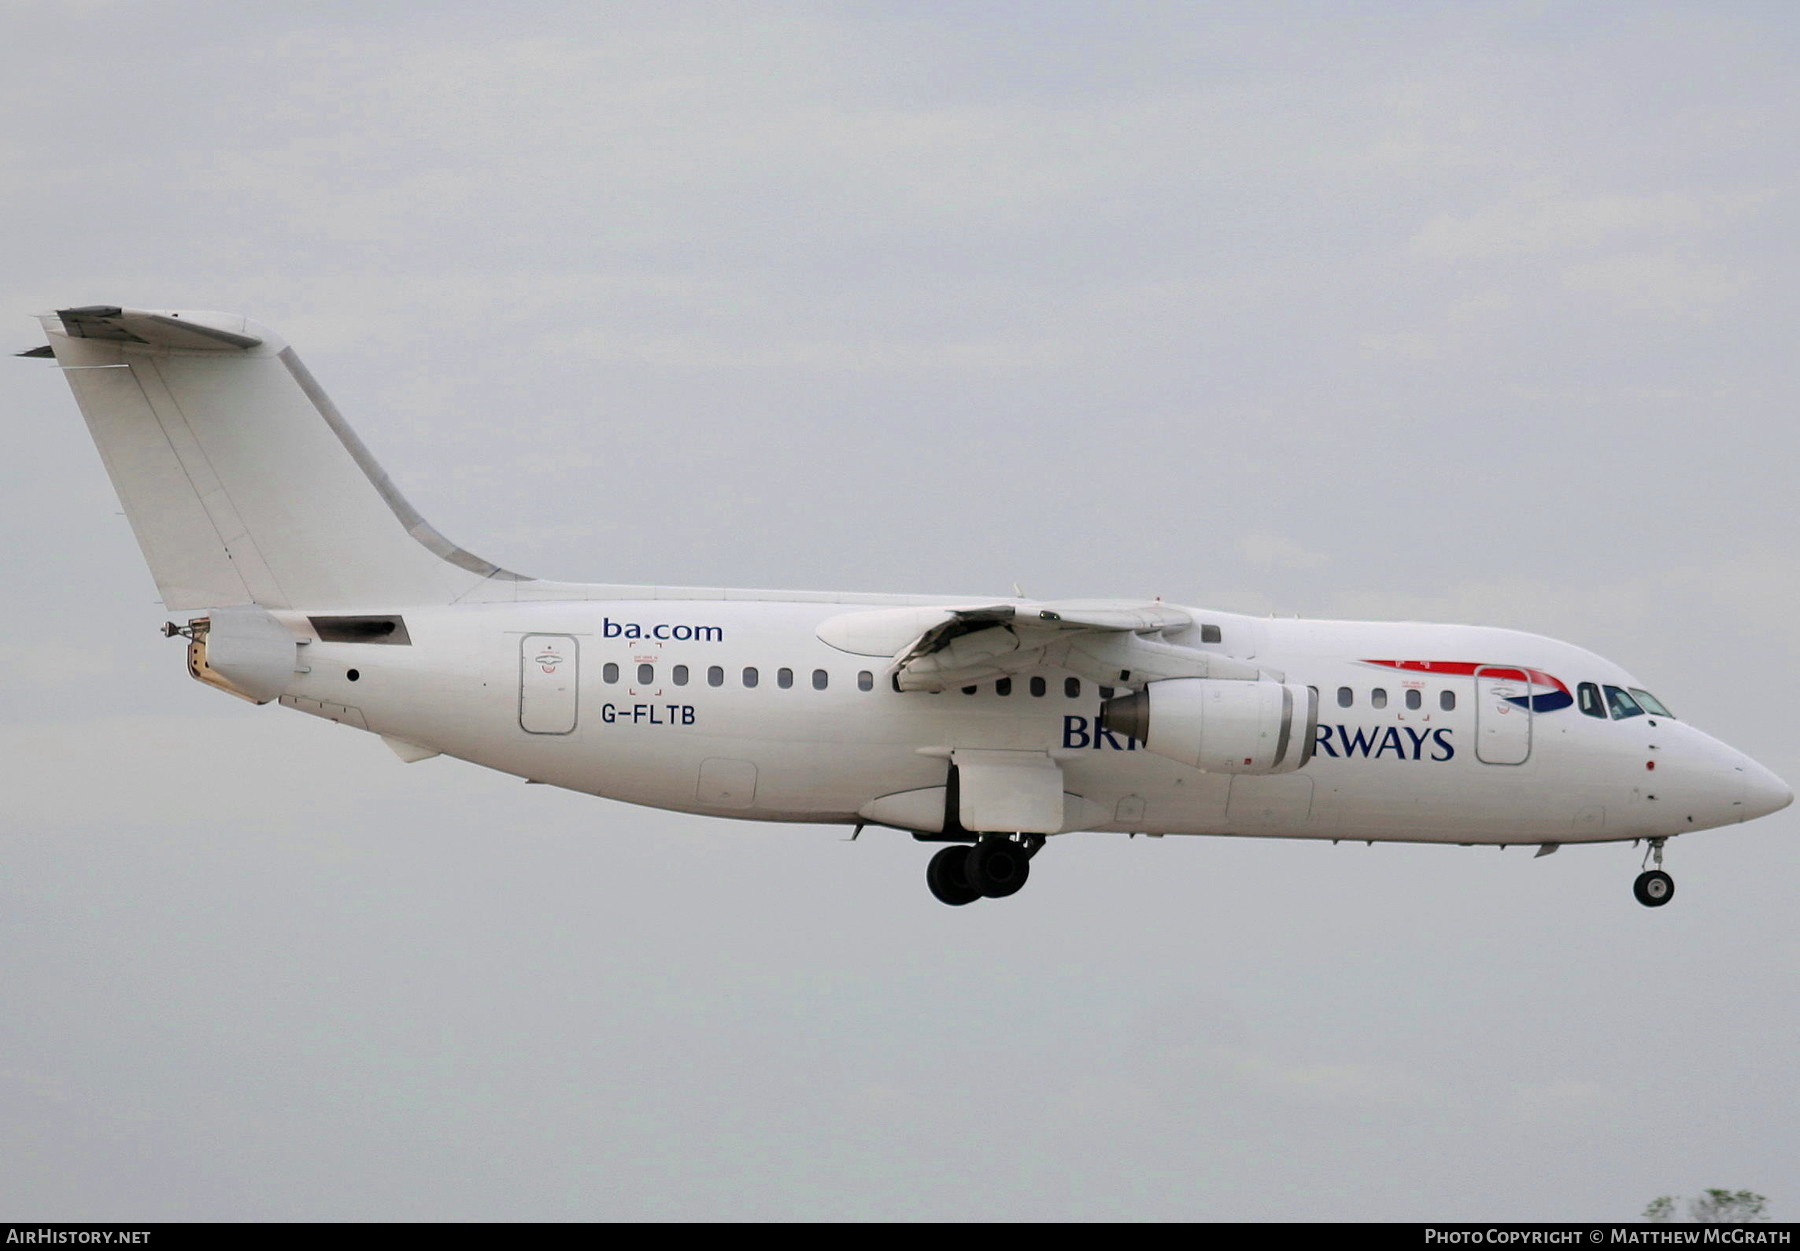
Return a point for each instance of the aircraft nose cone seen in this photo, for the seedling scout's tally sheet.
(1763, 791)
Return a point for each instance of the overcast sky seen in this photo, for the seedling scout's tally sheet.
(1444, 311)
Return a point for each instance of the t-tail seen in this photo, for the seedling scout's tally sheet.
(241, 480)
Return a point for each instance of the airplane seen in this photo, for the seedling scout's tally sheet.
(990, 726)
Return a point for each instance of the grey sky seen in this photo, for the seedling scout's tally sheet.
(1446, 311)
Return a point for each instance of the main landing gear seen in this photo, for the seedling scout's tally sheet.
(995, 867)
(1654, 888)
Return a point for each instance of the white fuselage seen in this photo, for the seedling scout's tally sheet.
(986, 725)
(647, 701)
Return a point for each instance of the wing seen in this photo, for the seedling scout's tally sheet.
(1112, 642)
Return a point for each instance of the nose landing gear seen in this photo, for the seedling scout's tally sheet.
(995, 867)
(1654, 888)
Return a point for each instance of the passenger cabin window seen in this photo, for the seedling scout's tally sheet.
(1447, 700)
(784, 678)
(1038, 687)
(1378, 697)
(821, 679)
(1346, 697)
(968, 690)
(1414, 699)
(609, 672)
(750, 676)
(865, 681)
(1211, 634)
(680, 674)
(1106, 692)
(715, 676)
(1003, 686)
(1652, 705)
(646, 674)
(1587, 695)
(1620, 704)
(1072, 687)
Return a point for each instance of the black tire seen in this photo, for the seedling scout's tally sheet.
(998, 867)
(1654, 889)
(947, 875)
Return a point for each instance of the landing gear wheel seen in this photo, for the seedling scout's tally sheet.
(998, 867)
(948, 877)
(1653, 889)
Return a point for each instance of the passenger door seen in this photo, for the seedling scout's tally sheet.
(549, 672)
(1502, 728)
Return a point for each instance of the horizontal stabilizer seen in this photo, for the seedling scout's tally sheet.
(214, 332)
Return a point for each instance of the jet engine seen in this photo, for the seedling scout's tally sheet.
(1221, 726)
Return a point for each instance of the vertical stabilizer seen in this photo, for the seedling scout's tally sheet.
(241, 480)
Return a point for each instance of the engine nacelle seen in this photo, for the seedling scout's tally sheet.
(1219, 725)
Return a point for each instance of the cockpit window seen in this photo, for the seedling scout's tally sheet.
(1621, 705)
(1652, 705)
(1588, 695)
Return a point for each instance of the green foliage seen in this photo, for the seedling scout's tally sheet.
(1715, 1207)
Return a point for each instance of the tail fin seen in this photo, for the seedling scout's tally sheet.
(242, 482)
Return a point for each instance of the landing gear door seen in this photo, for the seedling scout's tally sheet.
(549, 669)
(1010, 792)
(1502, 715)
